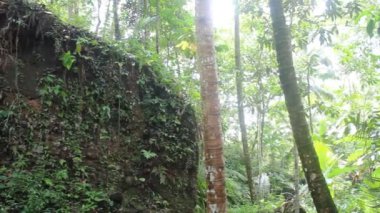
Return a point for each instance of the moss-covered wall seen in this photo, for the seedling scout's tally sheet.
(84, 127)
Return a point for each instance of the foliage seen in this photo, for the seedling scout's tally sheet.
(67, 60)
(261, 206)
(337, 63)
(39, 190)
(113, 124)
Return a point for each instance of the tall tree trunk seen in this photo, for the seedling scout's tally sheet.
(309, 100)
(116, 20)
(178, 63)
(316, 181)
(158, 26)
(261, 112)
(216, 194)
(99, 21)
(106, 20)
(73, 9)
(145, 16)
(296, 200)
(239, 88)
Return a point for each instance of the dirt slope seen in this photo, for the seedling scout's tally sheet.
(84, 127)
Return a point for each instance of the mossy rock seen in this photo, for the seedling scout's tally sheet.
(85, 127)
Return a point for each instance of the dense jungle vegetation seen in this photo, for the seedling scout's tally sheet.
(268, 155)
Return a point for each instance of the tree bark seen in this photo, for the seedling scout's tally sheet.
(116, 20)
(261, 113)
(296, 200)
(99, 21)
(239, 88)
(73, 9)
(309, 100)
(316, 181)
(145, 16)
(216, 194)
(158, 26)
(106, 20)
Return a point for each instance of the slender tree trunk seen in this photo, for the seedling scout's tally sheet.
(309, 101)
(239, 87)
(106, 20)
(76, 7)
(116, 20)
(262, 111)
(216, 194)
(158, 26)
(258, 138)
(316, 181)
(145, 16)
(296, 201)
(99, 21)
(168, 52)
(178, 63)
(73, 9)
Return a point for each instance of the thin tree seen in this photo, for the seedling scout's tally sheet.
(73, 10)
(216, 194)
(107, 19)
(145, 15)
(296, 199)
(99, 20)
(116, 21)
(240, 102)
(158, 26)
(309, 100)
(316, 181)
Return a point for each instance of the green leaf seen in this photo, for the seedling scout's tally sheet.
(322, 128)
(162, 178)
(2, 186)
(62, 162)
(5, 113)
(374, 181)
(325, 155)
(48, 182)
(67, 60)
(56, 89)
(62, 175)
(148, 154)
(106, 112)
(355, 155)
(339, 171)
(376, 174)
(94, 42)
(370, 27)
(78, 48)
